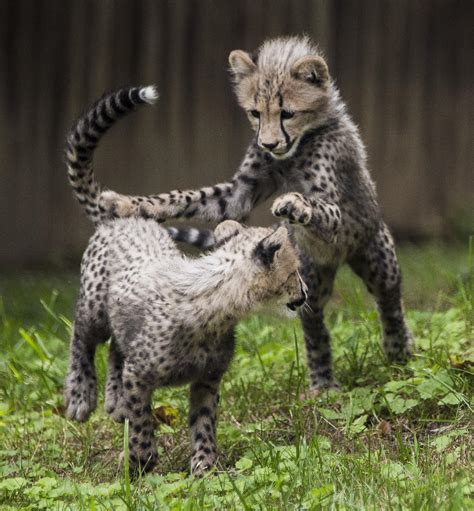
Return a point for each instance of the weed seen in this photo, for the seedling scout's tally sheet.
(393, 438)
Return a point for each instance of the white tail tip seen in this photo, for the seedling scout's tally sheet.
(149, 94)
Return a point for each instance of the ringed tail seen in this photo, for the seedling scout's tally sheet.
(200, 238)
(85, 135)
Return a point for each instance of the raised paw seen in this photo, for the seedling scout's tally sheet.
(294, 207)
(80, 396)
(202, 461)
(114, 205)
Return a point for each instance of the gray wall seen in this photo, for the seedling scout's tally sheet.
(405, 69)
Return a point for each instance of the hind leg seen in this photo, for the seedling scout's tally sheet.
(113, 386)
(320, 282)
(136, 406)
(378, 266)
(80, 386)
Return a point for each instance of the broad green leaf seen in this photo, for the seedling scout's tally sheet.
(330, 414)
(322, 491)
(243, 463)
(13, 484)
(451, 398)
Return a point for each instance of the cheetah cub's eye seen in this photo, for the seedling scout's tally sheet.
(255, 113)
(287, 114)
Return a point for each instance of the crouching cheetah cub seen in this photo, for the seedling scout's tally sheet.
(170, 318)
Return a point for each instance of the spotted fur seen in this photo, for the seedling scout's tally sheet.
(307, 152)
(170, 318)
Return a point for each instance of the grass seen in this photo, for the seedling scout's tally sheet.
(393, 438)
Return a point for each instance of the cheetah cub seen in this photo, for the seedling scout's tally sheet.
(308, 154)
(170, 318)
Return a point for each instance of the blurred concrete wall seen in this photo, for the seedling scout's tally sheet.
(404, 67)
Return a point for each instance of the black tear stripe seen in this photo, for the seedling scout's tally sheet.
(287, 137)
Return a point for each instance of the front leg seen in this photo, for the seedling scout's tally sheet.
(204, 397)
(234, 199)
(321, 217)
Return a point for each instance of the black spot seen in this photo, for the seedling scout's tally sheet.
(192, 419)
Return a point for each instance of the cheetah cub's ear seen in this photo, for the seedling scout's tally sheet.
(268, 249)
(311, 69)
(226, 230)
(241, 63)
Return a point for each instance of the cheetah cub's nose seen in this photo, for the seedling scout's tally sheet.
(297, 303)
(270, 146)
(300, 301)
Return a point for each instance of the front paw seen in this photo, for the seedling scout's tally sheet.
(202, 462)
(294, 207)
(80, 397)
(113, 205)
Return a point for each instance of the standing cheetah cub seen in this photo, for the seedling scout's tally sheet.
(170, 318)
(308, 154)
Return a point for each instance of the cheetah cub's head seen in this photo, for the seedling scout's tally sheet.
(285, 89)
(273, 282)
